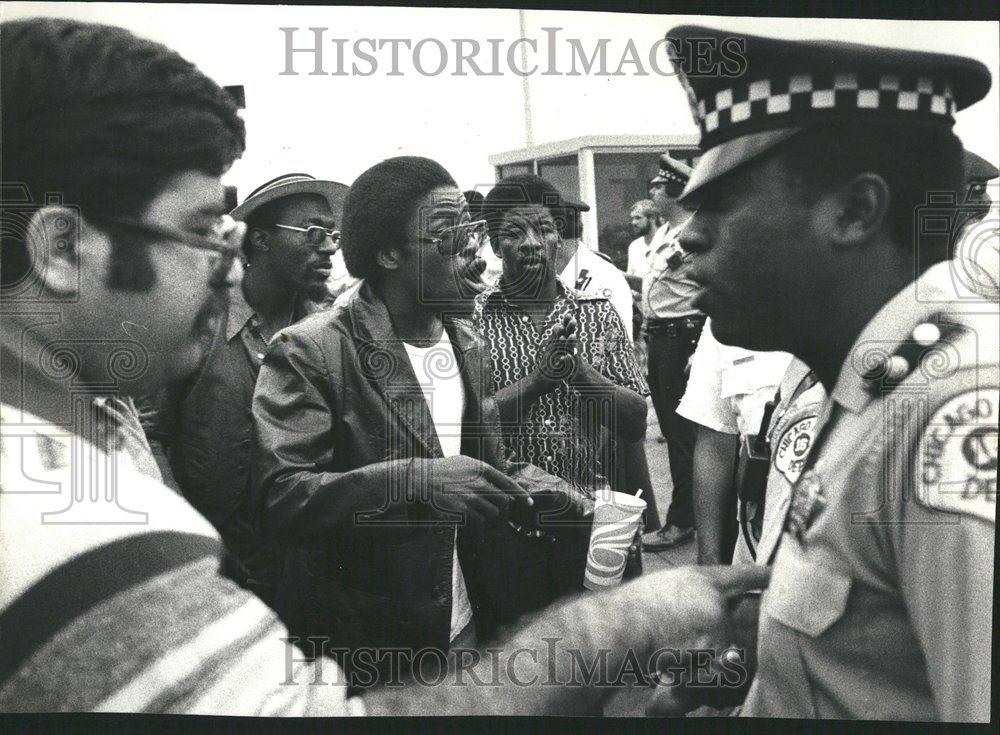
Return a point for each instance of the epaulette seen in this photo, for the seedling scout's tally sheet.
(926, 338)
(581, 296)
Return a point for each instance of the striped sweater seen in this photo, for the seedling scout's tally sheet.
(107, 616)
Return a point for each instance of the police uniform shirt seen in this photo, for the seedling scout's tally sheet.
(793, 428)
(666, 292)
(589, 273)
(880, 604)
(728, 386)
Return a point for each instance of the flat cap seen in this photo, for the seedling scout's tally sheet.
(752, 93)
(529, 189)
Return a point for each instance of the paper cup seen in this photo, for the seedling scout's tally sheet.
(617, 517)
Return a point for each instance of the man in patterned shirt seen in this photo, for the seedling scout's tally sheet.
(553, 350)
(564, 372)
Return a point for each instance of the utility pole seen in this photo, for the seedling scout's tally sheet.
(525, 86)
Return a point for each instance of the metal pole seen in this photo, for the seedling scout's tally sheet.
(525, 86)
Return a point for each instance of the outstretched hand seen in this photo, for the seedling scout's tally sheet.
(559, 357)
(731, 603)
(470, 488)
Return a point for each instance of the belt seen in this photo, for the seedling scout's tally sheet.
(675, 325)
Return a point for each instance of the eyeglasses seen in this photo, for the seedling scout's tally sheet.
(451, 241)
(222, 245)
(314, 233)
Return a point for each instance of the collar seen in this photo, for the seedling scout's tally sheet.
(239, 313)
(383, 358)
(370, 322)
(664, 237)
(893, 324)
(496, 293)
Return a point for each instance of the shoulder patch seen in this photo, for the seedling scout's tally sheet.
(956, 468)
(793, 446)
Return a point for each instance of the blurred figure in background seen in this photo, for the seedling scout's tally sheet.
(582, 268)
(644, 221)
(673, 326)
(494, 266)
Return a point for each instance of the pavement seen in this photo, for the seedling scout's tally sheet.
(663, 488)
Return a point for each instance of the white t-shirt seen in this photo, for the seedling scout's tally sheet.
(593, 275)
(638, 257)
(441, 382)
(728, 386)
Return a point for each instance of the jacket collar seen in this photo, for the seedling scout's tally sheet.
(239, 313)
(382, 357)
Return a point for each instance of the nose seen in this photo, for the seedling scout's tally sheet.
(531, 240)
(328, 246)
(469, 250)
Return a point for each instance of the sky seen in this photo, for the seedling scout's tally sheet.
(335, 126)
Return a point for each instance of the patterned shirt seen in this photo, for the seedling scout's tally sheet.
(552, 435)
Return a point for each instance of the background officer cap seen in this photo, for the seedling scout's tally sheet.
(978, 168)
(671, 171)
(765, 90)
(289, 184)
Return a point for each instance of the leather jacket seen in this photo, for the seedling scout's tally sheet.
(340, 418)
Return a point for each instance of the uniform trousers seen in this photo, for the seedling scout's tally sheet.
(671, 344)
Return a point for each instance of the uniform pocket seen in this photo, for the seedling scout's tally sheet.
(804, 595)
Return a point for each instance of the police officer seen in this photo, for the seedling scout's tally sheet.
(673, 325)
(810, 237)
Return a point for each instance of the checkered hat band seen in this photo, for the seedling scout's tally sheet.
(815, 94)
(671, 176)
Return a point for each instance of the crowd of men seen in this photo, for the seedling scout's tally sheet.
(225, 482)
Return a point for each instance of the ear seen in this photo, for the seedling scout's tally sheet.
(53, 241)
(858, 211)
(390, 258)
(258, 240)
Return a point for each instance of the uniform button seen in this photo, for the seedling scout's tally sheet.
(260, 355)
(548, 457)
(524, 319)
(897, 367)
(926, 334)
(549, 422)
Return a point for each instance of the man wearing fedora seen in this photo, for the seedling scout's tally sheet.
(292, 223)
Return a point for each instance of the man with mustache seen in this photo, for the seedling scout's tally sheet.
(814, 234)
(292, 221)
